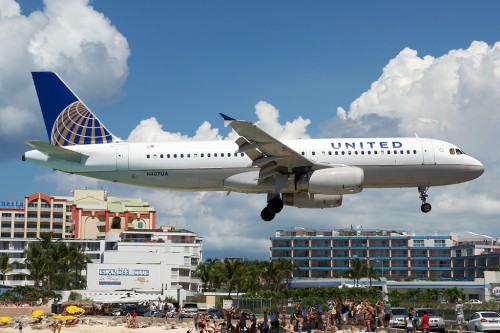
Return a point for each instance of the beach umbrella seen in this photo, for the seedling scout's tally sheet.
(5, 320)
(72, 309)
(37, 314)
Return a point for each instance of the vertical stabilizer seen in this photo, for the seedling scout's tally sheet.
(67, 119)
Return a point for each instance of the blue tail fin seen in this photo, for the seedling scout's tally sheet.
(67, 119)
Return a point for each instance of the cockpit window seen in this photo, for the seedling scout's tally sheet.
(456, 151)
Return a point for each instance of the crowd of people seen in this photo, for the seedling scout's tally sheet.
(341, 314)
(348, 313)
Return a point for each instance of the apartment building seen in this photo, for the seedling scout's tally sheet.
(396, 253)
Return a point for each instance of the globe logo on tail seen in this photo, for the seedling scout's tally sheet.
(77, 125)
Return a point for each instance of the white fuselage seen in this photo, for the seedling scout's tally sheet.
(205, 165)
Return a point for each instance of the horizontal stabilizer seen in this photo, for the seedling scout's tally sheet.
(56, 152)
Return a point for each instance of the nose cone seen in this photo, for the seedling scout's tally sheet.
(474, 169)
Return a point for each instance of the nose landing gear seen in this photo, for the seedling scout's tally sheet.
(426, 207)
(274, 206)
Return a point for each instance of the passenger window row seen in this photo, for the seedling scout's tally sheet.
(362, 152)
(195, 155)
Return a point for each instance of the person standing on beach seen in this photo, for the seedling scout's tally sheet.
(459, 312)
(20, 325)
(59, 326)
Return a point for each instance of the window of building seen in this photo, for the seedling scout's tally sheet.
(418, 242)
(439, 242)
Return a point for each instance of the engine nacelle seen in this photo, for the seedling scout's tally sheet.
(338, 180)
(309, 200)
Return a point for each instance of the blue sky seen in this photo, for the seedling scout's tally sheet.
(180, 63)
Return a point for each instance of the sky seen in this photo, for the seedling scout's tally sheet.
(163, 70)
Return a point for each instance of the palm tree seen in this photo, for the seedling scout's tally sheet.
(5, 266)
(55, 265)
(208, 274)
(452, 294)
(232, 271)
(372, 274)
(36, 262)
(79, 263)
(251, 277)
(431, 295)
(285, 273)
(270, 273)
(356, 272)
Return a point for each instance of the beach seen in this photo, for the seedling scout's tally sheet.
(106, 325)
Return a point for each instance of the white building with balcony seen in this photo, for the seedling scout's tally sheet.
(158, 263)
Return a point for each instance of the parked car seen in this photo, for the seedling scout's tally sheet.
(153, 313)
(216, 311)
(436, 321)
(474, 301)
(129, 308)
(398, 317)
(190, 310)
(483, 321)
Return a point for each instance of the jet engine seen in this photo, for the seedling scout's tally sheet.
(337, 180)
(309, 200)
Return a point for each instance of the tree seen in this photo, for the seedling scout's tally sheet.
(395, 297)
(451, 294)
(36, 262)
(431, 295)
(372, 274)
(209, 274)
(232, 272)
(54, 265)
(5, 266)
(356, 272)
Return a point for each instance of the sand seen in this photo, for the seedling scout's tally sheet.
(105, 325)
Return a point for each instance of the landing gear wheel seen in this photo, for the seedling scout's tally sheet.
(275, 205)
(267, 215)
(426, 207)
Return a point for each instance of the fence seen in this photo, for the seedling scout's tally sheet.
(259, 305)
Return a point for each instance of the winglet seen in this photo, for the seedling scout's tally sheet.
(227, 120)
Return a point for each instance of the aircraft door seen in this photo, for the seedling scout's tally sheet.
(122, 157)
(427, 152)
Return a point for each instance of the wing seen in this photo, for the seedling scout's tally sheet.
(269, 154)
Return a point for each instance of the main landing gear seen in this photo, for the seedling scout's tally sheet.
(426, 207)
(274, 206)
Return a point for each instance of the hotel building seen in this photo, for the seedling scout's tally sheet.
(397, 254)
(118, 234)
(87, 214)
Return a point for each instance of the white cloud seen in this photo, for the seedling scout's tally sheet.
(268, 121)
(453, 97)
(450, 97)
(67, 36)
(9, 8)
(151, 130)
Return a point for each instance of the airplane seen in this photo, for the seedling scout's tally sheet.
(305, 173)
